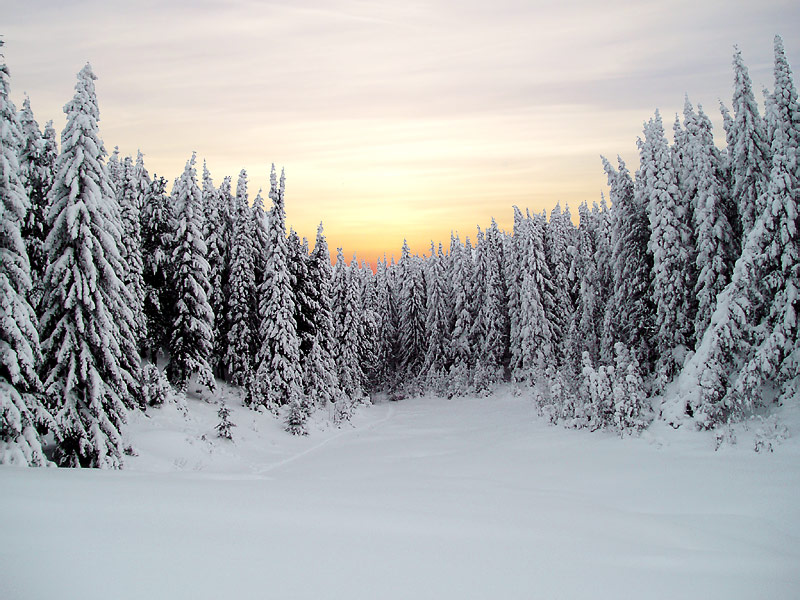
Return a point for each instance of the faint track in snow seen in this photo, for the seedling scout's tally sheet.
(323, 443)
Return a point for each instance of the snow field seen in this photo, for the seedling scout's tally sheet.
(424, 498)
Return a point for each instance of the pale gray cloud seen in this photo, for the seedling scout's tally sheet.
(415, 115)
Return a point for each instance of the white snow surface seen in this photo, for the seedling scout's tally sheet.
(422, 498)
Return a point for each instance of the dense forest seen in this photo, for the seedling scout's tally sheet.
(677, 301)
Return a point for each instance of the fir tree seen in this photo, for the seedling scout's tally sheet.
(411, 332)
(192, 334)
(224, 426)
(345, 309)
(160, 302)
(629, 311)
(321, 385)
(36, 162)
(278, 379)
(749, 149)
(91, 362)
(219, 238)
(437, 329)
(21, 410)
(240, 354)
(130, 203)
(716, 248)
(670, 241)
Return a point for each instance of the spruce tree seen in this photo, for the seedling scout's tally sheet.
(437, 329)
(629, 310)
(219, 240)
(670, 244)
(278, 378)
(714, 235)
(191, 341)
(129, 196)
(36, 162)
(411, 332)
(160, 301)
(21, 409)
(91, 362)
(240, 354)
(345, 311)
(320, 382)
(750, 351)
(748, 148)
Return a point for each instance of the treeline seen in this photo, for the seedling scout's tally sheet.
(679, 301)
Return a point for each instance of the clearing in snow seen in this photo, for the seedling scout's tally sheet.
(424, 498)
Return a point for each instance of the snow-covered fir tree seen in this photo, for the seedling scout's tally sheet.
(37, 159)
(240, 354)
(559, 238)
(754, 323)
(345, 313)
(320, 381)
(191, 341)
(411, 330)
(157, 221)
(220, 237)
(629, 310)
(749, 149)
(714, 234)
(278, 378)
(130, 198)
(437, 326)
(21, 409)
(91, 361)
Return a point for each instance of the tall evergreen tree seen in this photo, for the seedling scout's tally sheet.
(716, 247)
(345, 309)
(670, 243)
(36, 162)
(411, 332)
(91, 361)
(278, 378)
(629, 311)
(749, 149)
(191, 341)
(21, 410)
(160, 301)
(130, 203)
(240, 354)
(320, 383)
(755, 323)
(437, 328)
(219, 232)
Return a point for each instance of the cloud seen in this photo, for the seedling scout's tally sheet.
(416, 116)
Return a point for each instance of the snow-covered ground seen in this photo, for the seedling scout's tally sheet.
(423, 498)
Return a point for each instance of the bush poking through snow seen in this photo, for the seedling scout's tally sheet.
(224, 426)
(770, 434)
(155, 387)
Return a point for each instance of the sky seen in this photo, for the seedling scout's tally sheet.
(393, 120)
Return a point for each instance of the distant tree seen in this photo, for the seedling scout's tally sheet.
(130, 198)
(278, 378)
(320, 381)
(748, 148)
(160, 301)
(191, 341)
(241, 346)
(37, 159)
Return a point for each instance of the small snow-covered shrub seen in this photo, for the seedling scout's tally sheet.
(770, 434)
(724, 436)
(155, 387)
(224, 426)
